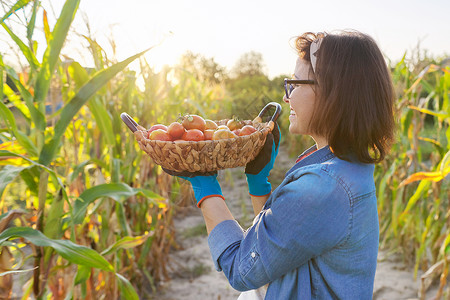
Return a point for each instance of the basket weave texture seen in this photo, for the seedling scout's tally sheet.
(205, 156)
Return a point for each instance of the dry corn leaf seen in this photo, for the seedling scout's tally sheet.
(432, 176)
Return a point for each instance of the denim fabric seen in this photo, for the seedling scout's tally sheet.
(316, 237)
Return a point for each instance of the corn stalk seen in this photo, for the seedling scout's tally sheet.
(31, 152)
(413, 189)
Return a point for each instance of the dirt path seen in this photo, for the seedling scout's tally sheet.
(194, 276)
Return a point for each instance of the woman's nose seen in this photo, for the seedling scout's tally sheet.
(285, 99)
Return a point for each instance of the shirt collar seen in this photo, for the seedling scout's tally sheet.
(319, 156)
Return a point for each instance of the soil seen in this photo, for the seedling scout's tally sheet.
(193, 275)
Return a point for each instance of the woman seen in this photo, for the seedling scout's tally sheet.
(316, 236)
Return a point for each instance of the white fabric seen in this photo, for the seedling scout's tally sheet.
(257, 294)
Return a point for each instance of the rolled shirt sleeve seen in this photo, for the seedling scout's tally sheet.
(309, 215)
(224, 235)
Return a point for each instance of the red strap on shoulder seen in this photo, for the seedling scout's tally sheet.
(304, 155)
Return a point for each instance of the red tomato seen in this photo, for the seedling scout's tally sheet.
(193, 135)
(223, 134)
(160, 135)
(176, 130)
(194, 122)
(210, 124)
(246, 130)
(155, 127)
(222, 127)
(234, 124)
(208, 134)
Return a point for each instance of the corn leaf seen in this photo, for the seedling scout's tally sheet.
(445, 248)
(16, 271)
(31, 24)
(70, 109)
(423, 244)
(52, 227)
(7, 175)
(26, 51)
(432, 176)
(78, 74)
(434, 142)
(77, 170)
(96, 51)
(435, 176)
(56, 180)
(382, 185)
(428, 69)
(37, 116)
(22, 138)
(53, 50)
(116, 191)
(125, 243)
(424, 185)
(2, 69)
(445, 87)
(9, 216)
(17, 102)
(121, 218)
(83, 274)
(103, 120)
(127, 290)
(144, 252)
(447, 134)
(18, 5)
(74, 253)
(406, 122)
(442, 114)
(30, 179)
(445, 163)
(15, 147)
(47, 31)
(115, 169)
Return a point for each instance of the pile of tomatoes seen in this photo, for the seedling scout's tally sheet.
(196, 128)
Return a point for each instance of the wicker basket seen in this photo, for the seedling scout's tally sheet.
(209, 155)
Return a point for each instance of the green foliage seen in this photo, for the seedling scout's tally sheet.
(18, 5)
(413, 181)
(37, 154)
(94, 201)
(207, 70)
(250, 64)
(116, 191)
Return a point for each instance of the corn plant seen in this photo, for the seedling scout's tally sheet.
(413, 189)
(62, 192)
(85, 180)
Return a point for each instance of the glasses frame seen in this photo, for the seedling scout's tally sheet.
(291, 83)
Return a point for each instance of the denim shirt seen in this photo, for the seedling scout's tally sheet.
(315, 238)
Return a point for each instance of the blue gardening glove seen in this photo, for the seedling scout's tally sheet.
(205, 185)
(257, 171)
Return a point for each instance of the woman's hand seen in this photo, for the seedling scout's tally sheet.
(257, 171)
(205, 185)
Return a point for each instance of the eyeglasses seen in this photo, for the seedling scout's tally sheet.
(289, 85)
(315, 45)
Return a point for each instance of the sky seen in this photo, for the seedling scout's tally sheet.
(225, 30)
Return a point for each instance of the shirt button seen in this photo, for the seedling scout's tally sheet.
(253, 254)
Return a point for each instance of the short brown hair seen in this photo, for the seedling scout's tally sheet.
(354, 106)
